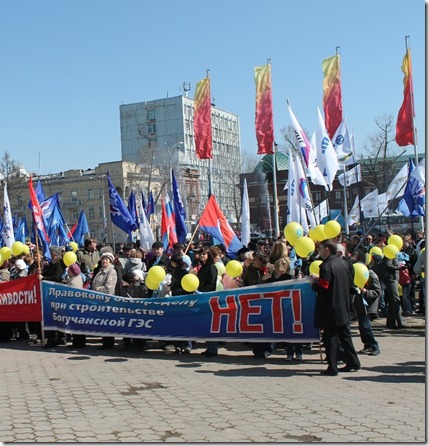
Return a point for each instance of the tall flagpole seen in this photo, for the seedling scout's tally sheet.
(416, 157)
(210, 161)
(276, 203)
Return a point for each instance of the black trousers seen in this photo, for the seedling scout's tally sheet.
(334, 337)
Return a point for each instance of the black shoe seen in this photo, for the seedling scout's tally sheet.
(349, 368)
(208, 354)
(365, 351)
(375, 352)
(328, 372)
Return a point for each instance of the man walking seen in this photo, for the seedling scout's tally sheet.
(333, 307)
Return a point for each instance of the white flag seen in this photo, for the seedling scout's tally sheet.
(245, 216)
(419, 172)
(146, 234)
(354, 214)
(7, 231)
(316, 176)
(321, 210)
(382, 205)
(326, 156)
(369, 204)
(308, 152)
(299, 202)
(343, 145)
(397, 186)
(351, 176)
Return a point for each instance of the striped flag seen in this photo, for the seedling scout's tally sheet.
(332, 100)
(404, 124)
(264, 125)
(203, 120)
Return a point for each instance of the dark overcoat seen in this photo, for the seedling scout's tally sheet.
(333, 302)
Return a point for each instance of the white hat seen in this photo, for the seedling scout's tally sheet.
(139, 274)
(20, 264)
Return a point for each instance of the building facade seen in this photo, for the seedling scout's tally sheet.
(161, 133)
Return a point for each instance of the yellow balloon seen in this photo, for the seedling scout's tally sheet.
(332, 228)
(190, 282)
(69, 258)
(293, 231)
(156, 274)
(234, 268)
(368, 258)
(25, 249)
(361, 274)
(304, 247)
(17, 248)
(395, 240)
(6, 252)
(1, 260)
(150, 284)
(74, 245)
(390, 251)
(315, 267)
(318, 233)
(220, 267)
(376, 250)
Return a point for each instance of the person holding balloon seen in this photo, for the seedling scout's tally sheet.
(333, 308)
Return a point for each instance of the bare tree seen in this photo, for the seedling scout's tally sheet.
(380, 163)
(7, 166)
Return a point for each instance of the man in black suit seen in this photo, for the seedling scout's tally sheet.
(333, 308)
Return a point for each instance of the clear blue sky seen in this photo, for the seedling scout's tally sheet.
(67, 66)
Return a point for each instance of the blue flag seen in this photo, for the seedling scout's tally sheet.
(81, 229)
(412, 203)
(179, 212)
(21, 232)
(132, 209)
(119, 213)
(150, 205)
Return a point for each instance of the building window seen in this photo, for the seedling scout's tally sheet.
(75, 215)
(338, 195)
(91, 213)
(91, 194)
(151, 115)
(151, 128)
(74, 195)
(100, 212)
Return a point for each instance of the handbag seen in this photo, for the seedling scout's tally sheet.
(404, 277)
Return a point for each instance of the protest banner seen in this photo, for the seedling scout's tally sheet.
(273, 312)
(20, 300)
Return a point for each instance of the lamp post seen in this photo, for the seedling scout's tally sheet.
(170, 154)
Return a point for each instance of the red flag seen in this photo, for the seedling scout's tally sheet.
(264, 110)
(404, 124)
(37, 213)
(332, 100)
(168, 225)
(203, 120)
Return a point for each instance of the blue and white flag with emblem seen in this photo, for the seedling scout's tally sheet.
(344, 145)
(326, 156)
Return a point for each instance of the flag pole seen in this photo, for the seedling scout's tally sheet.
(407, 47)
(346, 214)
(210, 160)
(276, 204)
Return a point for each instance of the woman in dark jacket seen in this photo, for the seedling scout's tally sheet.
(207, 274)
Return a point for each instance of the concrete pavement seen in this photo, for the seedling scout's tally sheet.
(88, 395)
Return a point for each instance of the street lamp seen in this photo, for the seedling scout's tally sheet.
(170, 153)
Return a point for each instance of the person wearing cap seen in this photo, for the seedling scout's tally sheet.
(18, 270)
(160, 258)
(105, 282)
(88, 257)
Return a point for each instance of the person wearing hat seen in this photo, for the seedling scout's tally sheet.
(18, 270)
(88, 257)
(160, 258)
(105, 282)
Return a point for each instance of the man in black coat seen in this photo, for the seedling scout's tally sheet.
(333, 308)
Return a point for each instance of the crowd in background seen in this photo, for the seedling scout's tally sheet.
(390, 292)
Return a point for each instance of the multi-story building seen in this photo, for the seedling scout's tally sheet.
(85, 190)
(161, 133)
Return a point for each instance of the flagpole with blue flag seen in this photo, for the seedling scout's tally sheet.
(179, 211)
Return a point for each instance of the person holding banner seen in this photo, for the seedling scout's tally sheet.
(333, 307)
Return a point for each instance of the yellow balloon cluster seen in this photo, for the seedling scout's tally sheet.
(361, 274)
(234, 268)
(155, 276)
(190, 282)
(395, 240)
(317, 233)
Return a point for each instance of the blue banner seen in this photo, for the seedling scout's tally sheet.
(274, 312)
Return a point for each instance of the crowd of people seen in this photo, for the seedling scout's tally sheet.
(390, 291)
